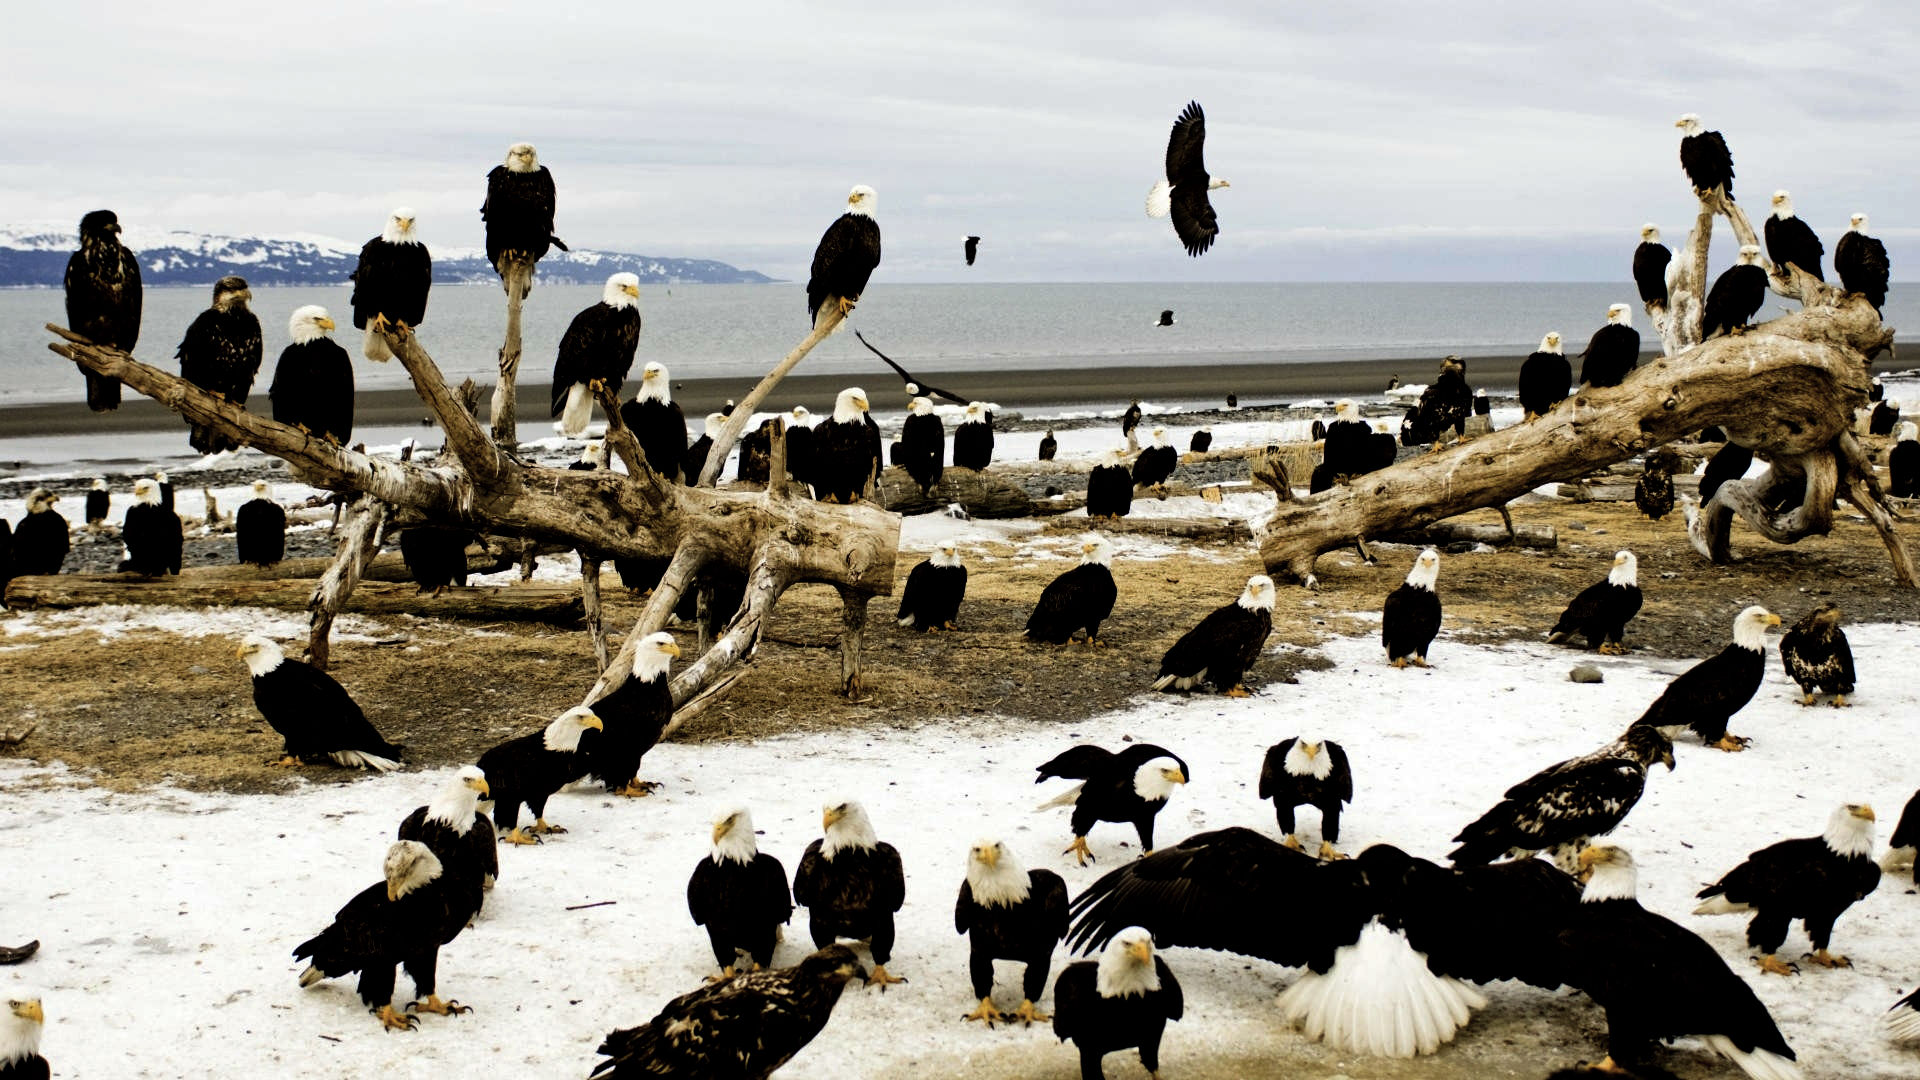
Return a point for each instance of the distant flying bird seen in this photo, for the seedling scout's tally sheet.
(1705, 157)
(1790, 240)
(973, 247)
(313, 381)
(1184, 191)
(221, 355)
(103, 298)
(1861, 262)
(1736, 296)
(391, 283)
(1613, 351)
(519, 210)
(1545, 377)
(846, 256)
(1650, 261)
(1165, 319)
(914, 387)
(597, 350)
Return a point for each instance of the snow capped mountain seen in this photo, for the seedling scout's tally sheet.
(35, 254)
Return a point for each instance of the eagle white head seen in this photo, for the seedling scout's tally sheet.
(1892, 404)
(1126, 965)
(1689, 124)
(1619, 315)
(1750, 628)
(850, 406)
(920, 407)
(1782, 204)
(1857, 223)
(40, 500)
(976, 412)
(309, 323)
(594, 454)
(995, 875)
(1609, 873)
(799, 417)
(1626, 569)
(262, 490)
(1426, 570)
(1551, 342)
(261, 653)
(947, 553)
(399, 228)
(521, 158)
(1308, 757)
(716, 423)
(459, 799)
(654, 655)
(654, 384)
(1258, 595)
(100, 483)
(1094, 548)
(733, 839)
(1850, 830)
(20, 1027)
(1649, 233)
(1160, 436)
(145, 492)
(845, 825)
(1345, 409)
(1749, 254)
(622, 291)
(409, 865)
(861, 200)
(1158, 779)
(1908, 432)
(563, 735)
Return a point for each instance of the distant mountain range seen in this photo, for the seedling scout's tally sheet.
(36, 255)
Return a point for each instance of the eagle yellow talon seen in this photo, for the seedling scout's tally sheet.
(434, 1005)
(636, 789)
(1080, 850)
(881, 978)
(394, 1020)
(1029, 1014)
(846, 307)
(1613, 648)
(288, 762)
(986, 1013)
(1399, 663)
(1291, 843)
(1238, 691)
(1773, 965)
(541, 828)
(520, 836)
(726, 973)
(1329, 853)
(1828, 960)
(1806, 698)
(1839, 701)
(1732, 744)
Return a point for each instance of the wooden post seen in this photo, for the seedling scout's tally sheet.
(853, 629)
(365, 521)
(590, 606)
(518, 281)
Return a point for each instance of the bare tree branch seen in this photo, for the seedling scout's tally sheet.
(830, 319)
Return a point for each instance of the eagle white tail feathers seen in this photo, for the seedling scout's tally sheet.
(310, 976)
(1065, 798)
(1718, 904)
(1759, 1064)
(376, 346)
(1903, 1022)
(1897, 859)
(579, 410)
(360, 759)
(1164, 681)
(1380, 998)
(1160, 200)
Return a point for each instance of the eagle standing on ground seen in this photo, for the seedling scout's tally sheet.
(20, 1028)
(312, 385)
(739, 893)
(1736, 296)
(1650, 261)
(699, 449)
(973, 439)
(1347, 449)
(1816, 654)
(1155, 465)
(1613, 351)
(1903, 463)
(530, 768)
(1861, 262)
(1705, 696)
(1183, 193)
(1109, 485)
(1121, 1001)
(846, 450)
(461, 837)
(1730, 462)
(1081, 598)
(221, 355)
(744, 1028)
(1411, 617)
(1814, 879)
(103, 298)
(851, 884)
(1445, 404)
(1653, 492)
(151, 533)
(923, 439)
(1007, 912)
(99, 502)
(400, 921)
(1224, 645)
(1130, 787)
(1885, 414)
(1705, 157)
(390, 284)
(40, 539)
(519, 211)
(1307, 772)
(1201, 442)
(260, 528)
(1049, 446)
(1545, 377)
(1563, 807)
(934, 589)
(597, 351)
(634, 714)
(314, 715)
(657, 422)
(1601, 612)
(436, 557)
(1130, 419)
(1790, 240)
(845, 258)
(1904, 844)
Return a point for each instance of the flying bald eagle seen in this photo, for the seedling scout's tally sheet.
(1183, 193)
(1007, 912)
(846, 450)
(657, 422)
(1790, 240)
(1613, 351)
(1650, 262)
(260, 528)
(1816, 655)
(40, 539)
(1705, 696)
(743, 1028)
(461, 837)
(851, 884)
(1119, 1002)
(1601, 612)
(1561, 808)
(1653, 492)
(1304, 772)
(397, 922)
(313, 381)
(314, 715)
(1155, 464)
(1730, 462)
(1705, 157)
(390, 284)
(1109, 485)
(103, 298)
(1130, 787)
(151, 533)
(697, 451)
(1079, 599)
(739, 893)
(530, 768)
(1736, 295)
(1903, 463)
(846, 257)
(923, 441)
(634, 714)
(1224, 645)
(20, 1028)
(973, 439)
(1410, 619)
(221, 355)
(1861, 262)
(1545, 377)
(597, 351)
(934, 589)
(436, 557)
(912, 384)
(972, 248)
(1814, 879)
(519, 211)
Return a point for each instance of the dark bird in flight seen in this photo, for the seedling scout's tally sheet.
(1183, 193)
(973, 248)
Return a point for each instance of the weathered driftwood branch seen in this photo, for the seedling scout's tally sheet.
(830, 320)
(590, 607)
(517, 279)
(356, 547)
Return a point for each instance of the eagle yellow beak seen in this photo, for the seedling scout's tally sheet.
(988, 854)
(831, 815)
(593, 722)
(30, 1010)
(324, 323)
(393, 892)
(1177, 776)
(631, 290)
(1590, 856)
(670, 649)
(1312, 750)
(1865, 813)
(479, 784)
(1772, 619)
(722, 828)
(1141, 951)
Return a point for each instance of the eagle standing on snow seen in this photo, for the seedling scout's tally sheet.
(312, 385)
(1564, 806)
(1121, 1001)
(1705, 157)
(1706, 695)
(530, 768)
(1224, 645)
(1130, 787)
(1007, 912)
(103, 298)
(1650, 262)
(221, 355)
(461, 837)
(934, 589)
(634, 715)
(1613, 351)
(657, 422)
(1079, 599)
(739, 893)
(1305, 772)
(151, 532)
(1411, 616)
(1109, 485)
(1545, 377)
(313, 713)
(1601, 612)
(391, 283)
(845, 450)
(1816, 654)
(1814, 879)
(519, 211)
(851, 884)
(1183, 193)
(845, 258)
(260, 528)
(597, 351)
(1791, 240)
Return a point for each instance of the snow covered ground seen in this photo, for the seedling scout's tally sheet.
(167, 918)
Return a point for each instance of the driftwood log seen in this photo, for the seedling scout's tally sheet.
(531, 602)
(517, 280)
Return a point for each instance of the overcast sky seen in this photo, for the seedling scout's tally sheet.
(1365, 141)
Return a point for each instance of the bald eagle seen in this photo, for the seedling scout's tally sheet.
(742, 1028)
(1653, 492)
(634, 714)
(1109, 485)
(1613, 351)
(1602, 610)
(1007, 912)
(99, 502)
(1650, 261)
(151, 532)
(657, 421)
(934, 589)
(313, 380)
(1445, 404)
(436, 556)
(40, 539)
(1736, 295)
(846, 257)
(923, 439)
(851, 884)
(390, 284)
(260, 528)
(1050, 446)
(597, 350)
(1131, 418)
(1348, 447)
(399, 921)
(1563, 807)
(971, 248)
(530, 768)
(1816, 655)
(846, 450)
(1079, 599)
(700, 448)
(20, 1028)
(103, 298)
(1903, 463)
(519, 211)
(973, 439)
(1545, 377)
(1201, 442)
(221, 355)
(1885, 414)
(461, 837)
(1861, 262)
(593, 456)
(1305, 772)
(911, 383)
(1790, 240)
(1814, 879)
(1707, 695)
(1410, 619)
(1904, 844)
(1155, 465)
(800, 455)
(1705, 157)
(1730, 462)
(1119, 1002)
(1224, 645)
(739, 893)
(1183, 193)
(1903, 1019)
(1130, 787)
(314, 715)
